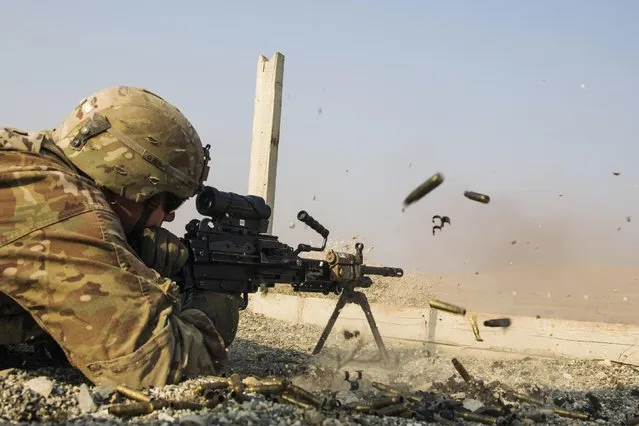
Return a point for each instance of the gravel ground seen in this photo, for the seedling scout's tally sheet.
(607, 391)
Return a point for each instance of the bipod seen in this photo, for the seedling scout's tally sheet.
(350, 295)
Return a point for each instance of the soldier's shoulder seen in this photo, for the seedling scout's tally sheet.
(20, 140)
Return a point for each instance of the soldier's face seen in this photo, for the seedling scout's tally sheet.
(160, 216)
(129, 213)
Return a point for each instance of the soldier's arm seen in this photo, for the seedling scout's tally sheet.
(64, 259)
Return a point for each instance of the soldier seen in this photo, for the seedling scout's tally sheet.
(83, 257)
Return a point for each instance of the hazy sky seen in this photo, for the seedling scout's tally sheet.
(521, 100)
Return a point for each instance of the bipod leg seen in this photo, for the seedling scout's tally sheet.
(341, 302)
(362, 301)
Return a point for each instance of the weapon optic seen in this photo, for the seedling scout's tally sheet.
(229, 252)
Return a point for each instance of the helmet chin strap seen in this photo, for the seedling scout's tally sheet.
(149, 207)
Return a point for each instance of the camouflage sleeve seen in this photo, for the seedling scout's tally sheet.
(17, 140)
(64, 259)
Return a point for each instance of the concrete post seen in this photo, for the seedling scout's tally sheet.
(266, 130)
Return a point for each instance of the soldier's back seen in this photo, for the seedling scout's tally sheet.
(37, 190)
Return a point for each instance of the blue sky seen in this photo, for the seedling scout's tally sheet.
(521, 100)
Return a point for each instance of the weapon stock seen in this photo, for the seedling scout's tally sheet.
(229, 252)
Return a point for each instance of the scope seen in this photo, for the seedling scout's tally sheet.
(217, 204)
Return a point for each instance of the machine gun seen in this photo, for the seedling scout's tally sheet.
(230, 252)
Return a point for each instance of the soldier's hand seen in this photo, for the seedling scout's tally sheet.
(163, 251)
(221, 308)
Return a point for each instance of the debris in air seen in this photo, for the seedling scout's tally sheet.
(291, 225)
(350, 334)
(476, 196)
(416, 194)
(628, 218)
(353, 382)
(442, 221)
(616, 173)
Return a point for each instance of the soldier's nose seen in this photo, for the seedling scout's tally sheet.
(168, 217)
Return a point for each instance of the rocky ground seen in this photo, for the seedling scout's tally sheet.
(601, 391)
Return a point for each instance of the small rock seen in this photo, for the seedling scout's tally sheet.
(40, 385)
(568, 377)
(162, 416)
(103, 393)
(7, 372)
(85, 401)
(472, 404)
(313, 417)
(606, 362)
(194, 420)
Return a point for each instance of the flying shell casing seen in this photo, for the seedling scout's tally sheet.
(461, 370)
(133, 394)
(476, 196)
(283, 382)
(473, 323)
(491, 410)
(138, 408)
(211, 386)
(235, 381)
(298, 392)
(498, 322)
(526, 398)
(294, 399)
(386, 401)
(266, 389)
(577, 415)
(479, 418)
(362, 408)
(448, 307)
(414, 398)
(392, 410)
(385, 388)
(429, 184)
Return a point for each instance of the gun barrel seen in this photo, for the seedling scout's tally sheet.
(385, 271)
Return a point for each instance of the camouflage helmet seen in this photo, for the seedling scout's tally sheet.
(135, 144)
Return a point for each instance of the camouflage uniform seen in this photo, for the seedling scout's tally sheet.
(67, 270)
